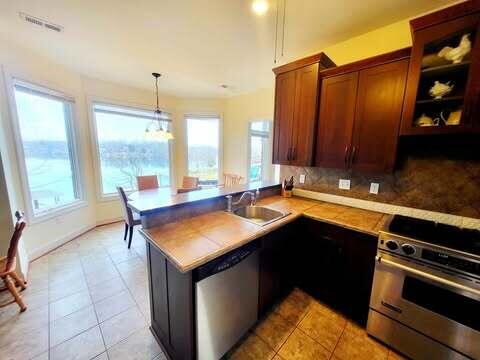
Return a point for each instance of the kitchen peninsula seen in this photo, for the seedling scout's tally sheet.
(188, 235)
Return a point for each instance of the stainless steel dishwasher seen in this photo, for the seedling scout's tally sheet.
(226, 300)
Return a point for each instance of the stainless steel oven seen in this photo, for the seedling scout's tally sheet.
(425, 299)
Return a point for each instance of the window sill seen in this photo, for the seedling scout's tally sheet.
(57, 212)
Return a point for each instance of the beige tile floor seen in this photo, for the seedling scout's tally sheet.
(301, 328)
(86, 300)
(89, 300)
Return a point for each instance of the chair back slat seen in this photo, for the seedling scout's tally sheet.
(17, 234)
(147, 182)
(127, 212)
(190, 182)
(231, 179)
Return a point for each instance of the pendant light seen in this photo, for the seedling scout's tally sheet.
(157, 129)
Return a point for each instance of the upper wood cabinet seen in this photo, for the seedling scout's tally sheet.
(337, 113)
(360, 112)
(296, 100)
(441, 53)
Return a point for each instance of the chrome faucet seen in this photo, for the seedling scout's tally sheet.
(253, 199)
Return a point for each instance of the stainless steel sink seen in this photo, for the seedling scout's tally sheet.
(259, 215)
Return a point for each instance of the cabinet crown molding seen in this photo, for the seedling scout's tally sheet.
(321, 58)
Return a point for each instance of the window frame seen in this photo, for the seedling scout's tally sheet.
(200, 115)
(92, 101)
(266, 175)
(74, 149)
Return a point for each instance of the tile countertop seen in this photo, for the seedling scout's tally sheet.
(193, 242)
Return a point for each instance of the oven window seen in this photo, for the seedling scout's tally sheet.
(444, 302)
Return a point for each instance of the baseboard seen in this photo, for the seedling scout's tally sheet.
(109, 221)
(44, 249)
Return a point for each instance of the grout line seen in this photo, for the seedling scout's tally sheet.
(338, 341)
(94, 309)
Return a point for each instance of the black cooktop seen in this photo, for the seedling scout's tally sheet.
(453, 237)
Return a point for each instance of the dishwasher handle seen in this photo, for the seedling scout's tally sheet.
(225, 262)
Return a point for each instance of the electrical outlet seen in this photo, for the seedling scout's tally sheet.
(344, 184)
(302, 179)
(374, 188)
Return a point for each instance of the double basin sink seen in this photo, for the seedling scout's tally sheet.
(260, 215)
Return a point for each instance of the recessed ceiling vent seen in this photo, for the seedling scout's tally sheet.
(40, 22)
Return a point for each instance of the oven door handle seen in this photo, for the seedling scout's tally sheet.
(431, 277)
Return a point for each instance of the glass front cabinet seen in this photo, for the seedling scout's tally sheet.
(443, 88)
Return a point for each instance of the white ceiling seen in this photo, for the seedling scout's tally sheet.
(196, 44)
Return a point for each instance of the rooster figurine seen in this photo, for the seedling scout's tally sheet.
(457, 54)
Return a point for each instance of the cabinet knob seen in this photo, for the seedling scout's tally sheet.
(346, 154)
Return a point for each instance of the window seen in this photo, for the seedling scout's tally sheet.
(47, 149)
(260, 164)
(123, 151)
(203, 146)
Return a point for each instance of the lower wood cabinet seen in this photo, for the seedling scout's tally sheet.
(171, 306)
(331, 263)
(276, 276)
(337, 267)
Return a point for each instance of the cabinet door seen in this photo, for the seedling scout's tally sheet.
(360, 251)
(461, 72)
(284, 119)
(377, 116)
(335, 120)
(305, 112)
(276, 278)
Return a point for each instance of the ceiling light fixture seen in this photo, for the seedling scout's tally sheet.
(155, 129)
(260, 7)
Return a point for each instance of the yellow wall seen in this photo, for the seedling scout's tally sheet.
(385, 39)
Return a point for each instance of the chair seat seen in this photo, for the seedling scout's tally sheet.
(3, 263)
(136, 219)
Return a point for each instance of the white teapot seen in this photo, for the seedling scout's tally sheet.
(439, 90)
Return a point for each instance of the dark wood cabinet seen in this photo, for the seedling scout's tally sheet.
(336, 124)
(171, 306)
(337, 267)
(456, 111)
(377, 117)
(296, 100)
(276, 277)
(283, 126)
(360, 112)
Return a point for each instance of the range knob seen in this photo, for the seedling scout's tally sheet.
(408, 249)
(392, 245)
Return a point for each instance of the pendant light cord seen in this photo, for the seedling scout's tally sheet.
(276, 34)
(156, 90)
(283, 30)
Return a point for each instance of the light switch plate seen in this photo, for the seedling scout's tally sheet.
(344, 184)
(374, 188)
(302, 179)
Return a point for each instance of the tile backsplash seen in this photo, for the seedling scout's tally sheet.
(437, 184)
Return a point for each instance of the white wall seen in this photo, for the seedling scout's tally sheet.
(21, 63)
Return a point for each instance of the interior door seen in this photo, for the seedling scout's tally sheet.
(306, 97)
(377, 116)
(284, 119)
(335, 121)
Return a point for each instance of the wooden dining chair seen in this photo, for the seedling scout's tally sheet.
(231, 180)
(147, 182)
(131, 218)
(8, 265)
(189, 183)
